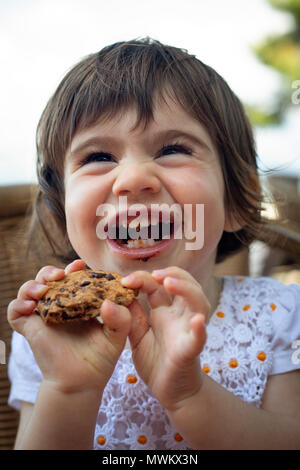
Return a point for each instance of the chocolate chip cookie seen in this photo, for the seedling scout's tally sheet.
(79, 295)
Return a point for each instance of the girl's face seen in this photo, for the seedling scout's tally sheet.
(172, 161)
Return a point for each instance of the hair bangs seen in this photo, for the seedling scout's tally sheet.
(128, 75)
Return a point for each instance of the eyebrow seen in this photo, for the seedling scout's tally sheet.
(173, 134)
(92, 141)
(159, 136)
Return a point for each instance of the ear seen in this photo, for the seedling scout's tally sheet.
(231, 222)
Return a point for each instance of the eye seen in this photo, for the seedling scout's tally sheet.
(174, 149)
(97, 157)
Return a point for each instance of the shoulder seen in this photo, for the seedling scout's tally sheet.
(23, 371)
(276, 307)
(265, 290)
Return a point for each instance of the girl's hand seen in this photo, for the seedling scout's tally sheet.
(72, 357)
(166, 344)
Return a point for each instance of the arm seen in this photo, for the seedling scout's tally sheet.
(56, 420)
(216, 419)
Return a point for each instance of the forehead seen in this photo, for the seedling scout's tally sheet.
(168, 115)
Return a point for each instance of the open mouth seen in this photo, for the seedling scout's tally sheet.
(143, 236)
(141, 241)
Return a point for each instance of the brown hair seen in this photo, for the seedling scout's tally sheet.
(133, 73)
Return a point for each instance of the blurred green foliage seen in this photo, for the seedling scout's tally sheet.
(282, 53)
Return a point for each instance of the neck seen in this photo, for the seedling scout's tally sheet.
(211, 284)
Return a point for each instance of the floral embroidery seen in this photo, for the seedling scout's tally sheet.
(247, 308)
(101, 440)
(132, 379)
(210, 365)
(242, 333)
(265, 324)
(260, 354)
(140, 437)
(178, 437)
(206, 369)
(234, 364)
(172, 438)
(220, 314)
(215, 339)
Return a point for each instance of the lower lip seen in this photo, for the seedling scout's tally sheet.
(134, 253)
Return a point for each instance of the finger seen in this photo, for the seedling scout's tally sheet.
(116, 321)
(197, 323)
(32, 290)
(76, 265)
(172, 271)
(17, 312)
(49, 273)
(18, 307)
(139, 324)
(142, 280)
(191, 293)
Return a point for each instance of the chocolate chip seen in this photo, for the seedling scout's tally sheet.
(62, 289)
(100, 296)
(58, 302)
(97, 275)
(109, 277)
(44, 312)
(85, 283)
(48, 302)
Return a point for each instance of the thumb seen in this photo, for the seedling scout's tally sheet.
(139, 323)
(116, 321)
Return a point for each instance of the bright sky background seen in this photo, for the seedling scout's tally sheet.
(41, 39)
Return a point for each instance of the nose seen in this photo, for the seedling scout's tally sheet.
(136, 180)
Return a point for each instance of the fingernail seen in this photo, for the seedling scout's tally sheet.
(172, 281)
(40, 288)
(54, 274)
(29, 303)
(111, 304)
(127, 279)
(158, 272)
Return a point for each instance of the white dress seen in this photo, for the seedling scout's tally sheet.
(253, 333)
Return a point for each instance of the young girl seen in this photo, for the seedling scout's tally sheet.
(211, 363)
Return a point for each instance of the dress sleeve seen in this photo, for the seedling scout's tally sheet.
(286, 339)
(23, 372)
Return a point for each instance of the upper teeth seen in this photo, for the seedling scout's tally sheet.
(137, 223)
(137, 230)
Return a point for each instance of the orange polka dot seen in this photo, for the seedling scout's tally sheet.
(246, 307)
(206, 369)
(178, 437)
(233, 363)
(261, 356)
(241, 279)
(101, 440)
(273, 307)
(220, 314)
(132, 379)
(142, 439)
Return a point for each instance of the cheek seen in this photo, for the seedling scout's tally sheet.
(192, 188)
(81, 202)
